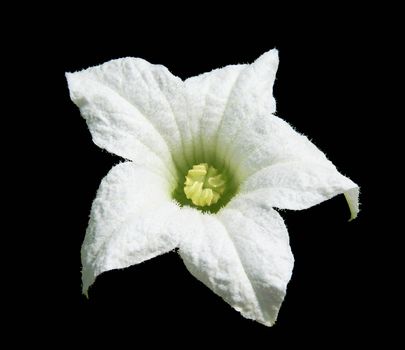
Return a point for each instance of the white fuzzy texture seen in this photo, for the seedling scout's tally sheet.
(243, 255)
(296, 185)
(163, 125)
(208, 95)
(133, 109)
(132, 219)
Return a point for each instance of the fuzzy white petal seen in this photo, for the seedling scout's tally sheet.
(284, 169)
(266, 140)
(252, 96)
(132, 219)
(133, 108)
(352, 198)
(207, 96)
(243, 255)
(297, 185)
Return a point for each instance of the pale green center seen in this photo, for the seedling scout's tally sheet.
(204, 185)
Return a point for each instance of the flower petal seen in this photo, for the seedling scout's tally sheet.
(252, 95)
(132, 108)
(299, 185)
(282, 168)
(266, 140)
(132, 219)
(207, 97)
(243, 255)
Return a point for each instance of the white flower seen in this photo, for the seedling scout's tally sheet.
(207, 162)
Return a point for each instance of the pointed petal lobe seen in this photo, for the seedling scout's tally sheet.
(299, 185)
(243, 255)
(129, 101)
(252, 95)
(207, 97)
(132, 220)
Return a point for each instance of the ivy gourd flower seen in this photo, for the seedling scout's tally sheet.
(207, 161)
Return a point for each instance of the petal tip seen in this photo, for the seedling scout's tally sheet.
(270, 57)
(85, 293)
(352, 198)
(68, 76)
(87, 280)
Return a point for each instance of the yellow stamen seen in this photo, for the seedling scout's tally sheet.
(204, 185)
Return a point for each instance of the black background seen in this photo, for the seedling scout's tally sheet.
(323, 88)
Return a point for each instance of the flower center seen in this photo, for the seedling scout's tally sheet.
(204, 185)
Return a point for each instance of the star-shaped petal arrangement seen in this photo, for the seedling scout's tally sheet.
(207, 161)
